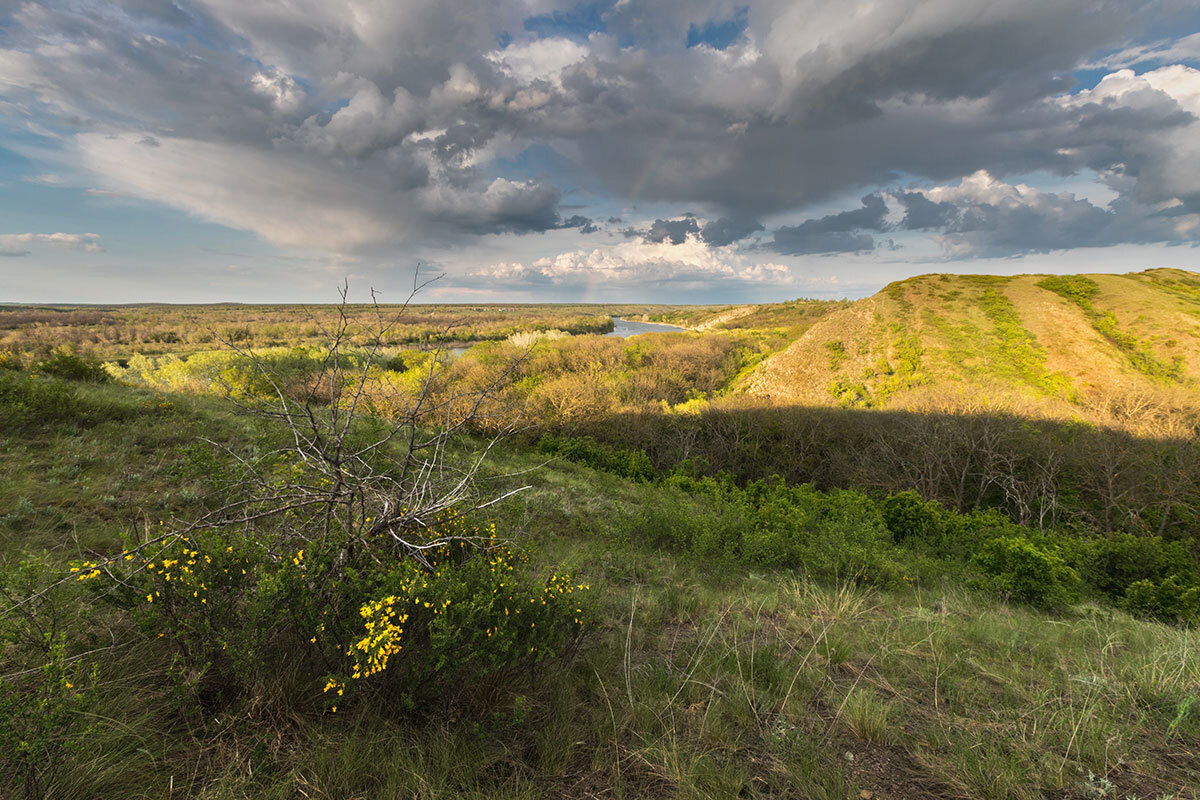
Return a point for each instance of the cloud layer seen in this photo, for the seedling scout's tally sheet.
(355, 127)
(18, 244)
(641, 263)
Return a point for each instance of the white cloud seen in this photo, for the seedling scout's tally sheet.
(989, 217)
(641, 262)
(1166, 51)
(542, 59)
(290, 201)
(278, 87)
(17, 244)
(368, 121)
(1152, 165)
(1129, 89)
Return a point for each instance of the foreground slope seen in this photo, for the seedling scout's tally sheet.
(705, 679)
(1049, 343)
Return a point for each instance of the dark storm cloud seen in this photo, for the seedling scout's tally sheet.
(351, 125)
(717, 232)
(1044, 222)
(723, 231)
(675, 231)
(808, 239)
(921, 213)
(985, 217)
(835, 233)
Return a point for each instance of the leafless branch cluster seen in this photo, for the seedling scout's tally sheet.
(393, 481)
(347, 471)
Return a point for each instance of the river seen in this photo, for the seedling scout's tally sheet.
(628, 327)
(622, 327)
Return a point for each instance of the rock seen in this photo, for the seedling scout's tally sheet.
(866, 794)
(848, 755)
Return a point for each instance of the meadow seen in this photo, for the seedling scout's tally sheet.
(224, 573)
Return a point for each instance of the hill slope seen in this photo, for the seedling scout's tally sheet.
(1050, 343)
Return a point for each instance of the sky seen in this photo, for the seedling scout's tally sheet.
(680, 151)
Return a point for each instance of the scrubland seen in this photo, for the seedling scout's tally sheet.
(972, 573)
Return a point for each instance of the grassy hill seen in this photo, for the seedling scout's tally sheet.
(1047, 343)
(704, 675)
(775, 601)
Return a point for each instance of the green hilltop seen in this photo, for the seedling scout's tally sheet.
(1047, 342)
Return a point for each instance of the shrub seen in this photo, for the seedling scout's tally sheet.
(43, 692)
(30, 400)
(74, 367)
(1113, 563)
(1020, 569)
(1171, 600)
(240, 606)
(837, 534)
(10, 359)
(961, 536)
(632, 464)
(907, 515)
(27, 400)
(41, 720)
(1076, 288)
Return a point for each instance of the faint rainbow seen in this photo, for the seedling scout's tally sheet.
(635, 191)
(651, 166)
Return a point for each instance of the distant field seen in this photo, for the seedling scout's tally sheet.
(118, 331)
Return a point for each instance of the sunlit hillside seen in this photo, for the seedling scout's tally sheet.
(1049, 343)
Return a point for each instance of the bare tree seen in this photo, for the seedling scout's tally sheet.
(362, 476)
(369, 482)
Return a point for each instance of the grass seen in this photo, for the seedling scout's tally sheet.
(1081, 291)
(708, 685)
(1013, 349)
(71, 487)
(978, 338)
(704, 679)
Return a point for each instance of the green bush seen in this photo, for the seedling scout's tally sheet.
(74, 367)
(837, 534)
(907, 515)
(29, 400)
(11, 359)
(1113, 563)
(1020, 569)
(241, 606)
(44, 693)
(1076, 288)
(1171, 600)
(632, 464)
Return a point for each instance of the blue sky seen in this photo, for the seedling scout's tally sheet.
(530, 150)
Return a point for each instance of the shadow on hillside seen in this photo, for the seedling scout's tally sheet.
(1042, 472)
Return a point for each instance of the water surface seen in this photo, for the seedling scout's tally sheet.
(628, 327)
(621, 327)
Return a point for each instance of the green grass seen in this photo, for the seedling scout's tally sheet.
(1014, 351)
(70, 486)
(1081, 290)
(704, 679)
